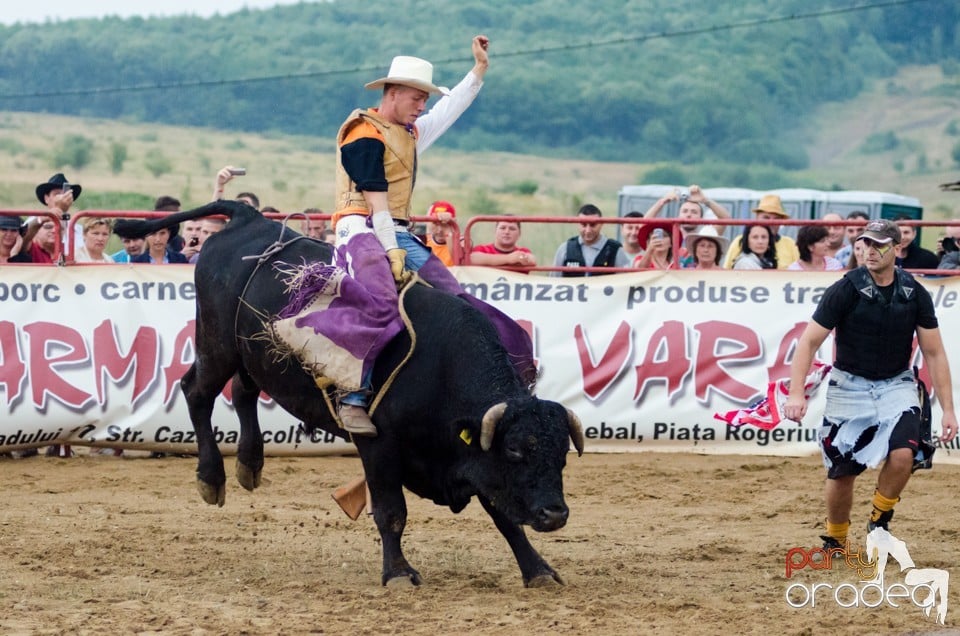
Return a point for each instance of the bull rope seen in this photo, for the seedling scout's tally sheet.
(271, 251)
(414, 279)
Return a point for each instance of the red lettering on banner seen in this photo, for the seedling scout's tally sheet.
(12, 368)
(179, 362)
(142, 357)
(44, 378)
(598, 378)
(666, 359)
(710, 373)
(780, 369)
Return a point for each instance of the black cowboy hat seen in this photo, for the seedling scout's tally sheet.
(57, 182)
(12, 223)
(139, 228)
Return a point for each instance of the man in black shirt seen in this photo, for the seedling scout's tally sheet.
(909, 254)
(873, 413)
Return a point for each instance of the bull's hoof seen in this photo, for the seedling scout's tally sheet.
(212, 494)
(545, 580)
(399, 582)
(249, 479)
(407, 577)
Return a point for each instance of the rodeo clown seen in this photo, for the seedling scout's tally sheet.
(339, 336)
(873, 412)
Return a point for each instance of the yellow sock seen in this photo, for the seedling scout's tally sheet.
(838, 531)
(881, 505)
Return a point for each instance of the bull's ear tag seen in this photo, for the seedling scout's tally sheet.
(466, 436)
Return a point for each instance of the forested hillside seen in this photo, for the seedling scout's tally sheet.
(635, 80)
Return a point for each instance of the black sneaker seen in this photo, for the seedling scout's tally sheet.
(829, 543)
(882, 522)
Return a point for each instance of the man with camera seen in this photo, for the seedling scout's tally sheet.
(692, 204)
(948, 250)
(39, 241)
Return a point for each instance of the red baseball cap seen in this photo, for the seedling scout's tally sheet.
(442, 206)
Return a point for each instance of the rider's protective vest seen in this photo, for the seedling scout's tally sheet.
(399, 166)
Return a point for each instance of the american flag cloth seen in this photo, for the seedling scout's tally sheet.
(767, 412)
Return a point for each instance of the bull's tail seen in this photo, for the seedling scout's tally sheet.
(138, 228)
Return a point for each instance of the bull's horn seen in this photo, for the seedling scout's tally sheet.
(576, 431)
(489, 424)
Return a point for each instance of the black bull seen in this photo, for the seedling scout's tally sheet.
(457, 423)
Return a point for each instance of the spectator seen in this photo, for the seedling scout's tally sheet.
(269, 209)
(706, 247)
(657, 246)
(208, 226)
(851, 232)
(250, 199)
(40, 240)
(756, 247)
(770, 209)
(158, 250)
(226, 174)
(590, 248)
(327, 235)
(835, 234)
(630, 232)
(191, 237)
(504, 249)
(96, 233)
(131, 247)
(169, 204)
(813, 243)
(57, 194)
(909, 254)
(313, 227)
(691, 209)
(856, 255)
(10, 238)
(166, 203)
(440, 232)
(950, 248)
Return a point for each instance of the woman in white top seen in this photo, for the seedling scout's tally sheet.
(757, 248)
(96, 233)
(813, 241)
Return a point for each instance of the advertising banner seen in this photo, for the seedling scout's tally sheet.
(93, 355)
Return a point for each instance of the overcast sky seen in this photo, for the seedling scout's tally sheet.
(40, 10)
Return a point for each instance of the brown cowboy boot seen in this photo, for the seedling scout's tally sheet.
(355, 420)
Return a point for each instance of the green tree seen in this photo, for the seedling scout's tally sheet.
(955, 153)
(157, 163)
(74, 151)
(117, 155)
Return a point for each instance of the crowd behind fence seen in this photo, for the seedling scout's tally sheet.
(462, 242)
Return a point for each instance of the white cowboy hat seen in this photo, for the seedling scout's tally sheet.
(709, 232)
(413, 72)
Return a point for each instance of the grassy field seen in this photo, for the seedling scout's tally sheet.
(292, 173)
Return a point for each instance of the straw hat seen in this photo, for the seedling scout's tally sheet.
(771, 204)
(413, 72)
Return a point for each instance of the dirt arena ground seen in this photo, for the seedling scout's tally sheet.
(656, 543)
